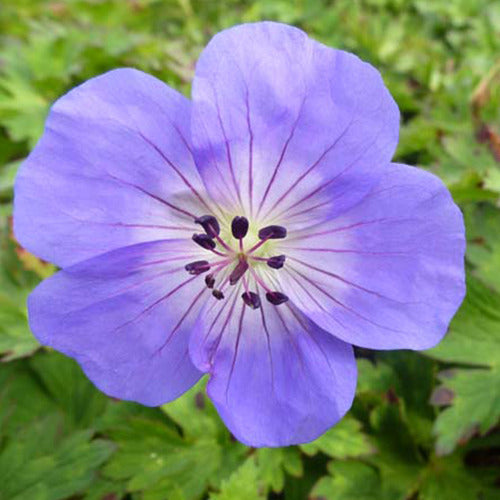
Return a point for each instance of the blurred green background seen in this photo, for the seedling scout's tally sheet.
(424, 426)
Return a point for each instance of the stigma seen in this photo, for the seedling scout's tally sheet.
(239, 265)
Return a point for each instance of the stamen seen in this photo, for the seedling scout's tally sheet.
(259, 280)
(204, 241)
(218, 294)
(238, 272)
(276, 298)
(239, 227)
(209, 280)
(197, 267)
(272, 233)
(251, 299)
(209, 224)
(276, 262)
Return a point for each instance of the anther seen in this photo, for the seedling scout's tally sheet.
(218, 294)
(209, 280)
(238, 272)
(276, 298)
(209, 224)
(197, 267)
(251, 299)
(276, 262)
(239, 227)
(272, 233)
(204, 241)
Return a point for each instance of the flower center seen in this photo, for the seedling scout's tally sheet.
(240, 260)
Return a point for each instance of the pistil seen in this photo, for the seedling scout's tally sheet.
(238, 271)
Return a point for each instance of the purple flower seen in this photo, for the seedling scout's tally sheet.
(253, 233)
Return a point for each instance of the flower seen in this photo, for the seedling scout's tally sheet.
(254, 233)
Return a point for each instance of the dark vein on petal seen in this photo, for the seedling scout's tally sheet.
(156, 303)
(310, 209)
(281, 157)
(176, 170)
(221, 333)
(236, 347)
(313, 166)
(360, 252)
(228, 148)
(171, 259)
(184, 316)
(347, 308)
(221, 310)
(250, 151)
(153, 196)
(307, 235)
(347, 282)
(118, 294)
(311, 336)
(311, 296)
(340, 323)
(292, 339)
(268, 344)
(370, 144)
(333, 179)
(215, 164)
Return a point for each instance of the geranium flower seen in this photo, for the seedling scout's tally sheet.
(254, 233)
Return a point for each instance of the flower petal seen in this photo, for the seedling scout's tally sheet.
(281, 121)
(113, 168)
(125, 316)
(276, 378)
(389, 273)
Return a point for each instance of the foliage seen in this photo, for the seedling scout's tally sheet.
(423, 425)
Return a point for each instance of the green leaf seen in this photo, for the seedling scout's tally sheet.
(274, 463)
(16, 339)
(448, 479)
(22, 398)
(22, 109)
(195, 414)
(243, 484)
(374, 378)
(69, 388)
(344, 440)
(483, 242)
(473, 339)
(348, 481)
(39, 465)
(397, 458)
(153, 457)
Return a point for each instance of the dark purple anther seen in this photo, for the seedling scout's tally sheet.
(276, 298)
(238, 272)
(209, 280)
(251, 299)
(272, 233)
(197, 267)
(276, 262)
(218, 294)
(209, 224)
(204, 241)
(239, 227)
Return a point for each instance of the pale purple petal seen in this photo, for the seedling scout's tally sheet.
(387, 274)
(125, 316)
(283, 124)
(275, 377)
(113, 168)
